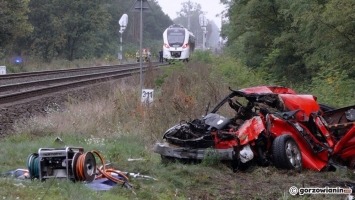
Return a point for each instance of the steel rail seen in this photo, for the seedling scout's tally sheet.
(48, 86)
(12, 98)
(61, 71)
(47, 82)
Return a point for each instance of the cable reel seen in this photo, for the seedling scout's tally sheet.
(69, 162)
(84, 166)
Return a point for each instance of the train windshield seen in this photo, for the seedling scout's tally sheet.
(176, 36)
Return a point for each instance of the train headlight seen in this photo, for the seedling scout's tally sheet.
(166, 46)
(185, 46)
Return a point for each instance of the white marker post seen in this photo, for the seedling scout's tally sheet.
(2, 70)
(147, 96)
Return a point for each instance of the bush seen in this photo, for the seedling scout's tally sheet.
(235, 74)
(202, 56)
(333, 86)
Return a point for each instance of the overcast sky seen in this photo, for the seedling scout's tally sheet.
(210, 7)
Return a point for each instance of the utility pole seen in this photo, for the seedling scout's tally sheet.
(188, 15)
(141, 5)
(203, 24)
(140, 46)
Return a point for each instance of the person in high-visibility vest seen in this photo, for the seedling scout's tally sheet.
(149, 55)
(137, 56)
(145, 54)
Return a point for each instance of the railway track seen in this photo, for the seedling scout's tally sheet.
(39, 75)
(39, 83)
(24, 95)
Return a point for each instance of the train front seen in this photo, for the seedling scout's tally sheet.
(176, 44)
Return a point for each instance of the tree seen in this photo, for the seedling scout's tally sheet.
(13, 22)
(332, 37)
(189, 18)
(74, 29)
(64, 28)
(292, 40)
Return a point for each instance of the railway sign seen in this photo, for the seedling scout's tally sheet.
(123, 24)
(2, 70)
(123, 21)
(202, 20)
(141, 5)
(147, 96)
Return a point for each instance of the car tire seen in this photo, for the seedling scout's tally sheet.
(286, 153)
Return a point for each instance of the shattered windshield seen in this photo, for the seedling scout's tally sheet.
(231, 105)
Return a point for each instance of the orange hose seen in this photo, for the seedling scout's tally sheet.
(107, 172)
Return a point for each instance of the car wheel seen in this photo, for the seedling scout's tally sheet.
(286, 153)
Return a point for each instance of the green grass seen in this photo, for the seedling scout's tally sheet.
(174, 180)
(207, 180)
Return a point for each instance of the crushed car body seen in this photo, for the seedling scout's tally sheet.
(267, 125)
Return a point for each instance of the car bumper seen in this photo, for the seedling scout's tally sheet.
(166, 149)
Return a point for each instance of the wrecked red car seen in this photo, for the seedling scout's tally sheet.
(267, 125)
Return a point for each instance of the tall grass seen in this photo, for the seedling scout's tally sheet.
(181, 96)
